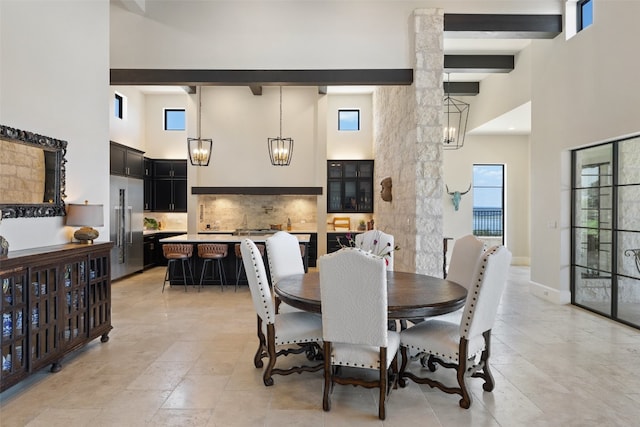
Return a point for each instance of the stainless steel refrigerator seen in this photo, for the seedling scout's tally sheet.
(126, 220)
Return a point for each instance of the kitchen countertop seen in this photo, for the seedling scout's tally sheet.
(293, 231)
(224, 238)
(164, 230)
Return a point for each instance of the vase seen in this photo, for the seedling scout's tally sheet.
(4, 246)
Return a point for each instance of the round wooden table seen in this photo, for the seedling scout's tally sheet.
(410, 295)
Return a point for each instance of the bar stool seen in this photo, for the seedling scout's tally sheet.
(210, 252)
(175, 252)
(240, 265)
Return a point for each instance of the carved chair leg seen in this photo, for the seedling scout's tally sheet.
(465, 401)
(262, 344)
(271, 353)
(489, 382)
(383, 383)
(403, 367)
(326, 399)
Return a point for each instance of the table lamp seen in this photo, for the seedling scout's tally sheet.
(85, 216)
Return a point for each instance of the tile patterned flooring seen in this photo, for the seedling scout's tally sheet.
(185, 359)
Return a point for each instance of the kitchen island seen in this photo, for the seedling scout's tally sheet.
(229, 263)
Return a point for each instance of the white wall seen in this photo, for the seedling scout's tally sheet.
(160, 143)
(584, 91)
(54, 78)
(511, 151)
(350, 145)
(130, 130)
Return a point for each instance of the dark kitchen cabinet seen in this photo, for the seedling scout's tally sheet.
(168, 186)
(350, 186)
(148, 184)
(126, 161)
(169, 168)
(170, 195)
(150, 244)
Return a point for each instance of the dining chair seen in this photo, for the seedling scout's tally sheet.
(284, 256)
(296, 332)
(463, 346)
(465, 258)
(353, 293)
(379, 243)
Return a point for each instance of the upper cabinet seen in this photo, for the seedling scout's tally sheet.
(126, 161)
(170, 169)
(350, 186)
(169, 186)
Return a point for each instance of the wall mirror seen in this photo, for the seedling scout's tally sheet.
(32, 174)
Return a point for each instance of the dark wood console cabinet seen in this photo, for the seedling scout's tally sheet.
(55, 299)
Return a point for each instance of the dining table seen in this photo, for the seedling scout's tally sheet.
(410, 295)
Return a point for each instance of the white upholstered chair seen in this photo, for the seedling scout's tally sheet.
(379, 243)
(353, 289)
(465, 258)
(463, 346)
(298, 330)
(285, 259)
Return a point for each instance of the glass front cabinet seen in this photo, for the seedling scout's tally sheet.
(350, 186)
(54, 300)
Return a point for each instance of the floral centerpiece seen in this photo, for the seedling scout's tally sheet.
(383, 251)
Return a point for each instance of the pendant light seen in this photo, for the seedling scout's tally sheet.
(280, 149)
(199, 148)
(455, 127)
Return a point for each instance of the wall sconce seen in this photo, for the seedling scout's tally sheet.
(280, 149)
(199, 148)
(85, 216)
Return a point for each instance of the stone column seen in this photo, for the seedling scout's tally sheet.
(408, 148)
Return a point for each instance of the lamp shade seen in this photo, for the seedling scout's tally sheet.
(85, 215)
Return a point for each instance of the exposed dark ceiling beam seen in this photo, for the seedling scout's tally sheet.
(374, 77)
(478, 63)
(462, 88)
(488, 26)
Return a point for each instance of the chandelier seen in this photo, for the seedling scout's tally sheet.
(280, 149)
(199, 148)
(456, 115)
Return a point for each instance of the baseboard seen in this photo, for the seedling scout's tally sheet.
(520, 260)
(549, 294)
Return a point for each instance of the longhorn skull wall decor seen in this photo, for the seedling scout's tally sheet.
(456, 196)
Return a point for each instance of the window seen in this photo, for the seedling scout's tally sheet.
(488, 201)
(348, 119)
(585, 14)
(119, 106)
(174, 119)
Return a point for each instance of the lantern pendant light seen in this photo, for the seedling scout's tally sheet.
(280, 149)
(199, 148)
(455, 126)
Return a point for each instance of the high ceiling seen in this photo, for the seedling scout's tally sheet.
(475, 47)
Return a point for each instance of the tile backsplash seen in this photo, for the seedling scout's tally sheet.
(228, 212)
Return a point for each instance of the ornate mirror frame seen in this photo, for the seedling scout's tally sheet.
(55, 150)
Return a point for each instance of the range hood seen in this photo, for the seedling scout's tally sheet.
(299, 191)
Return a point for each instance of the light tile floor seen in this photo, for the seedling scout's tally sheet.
(185, 359)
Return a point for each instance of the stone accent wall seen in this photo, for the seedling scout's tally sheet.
(226, 212)
(22, 173)
(408, 148)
